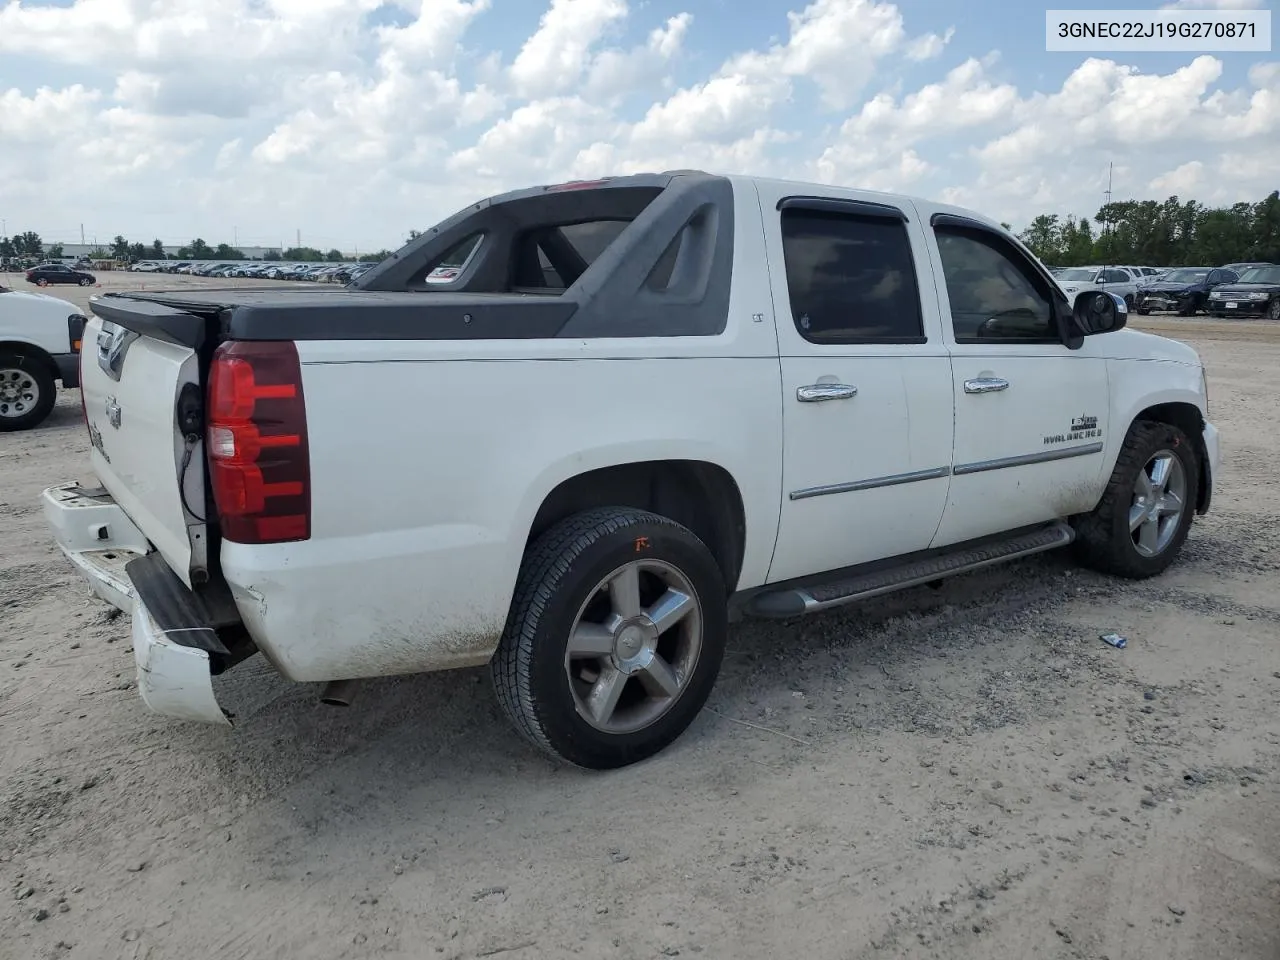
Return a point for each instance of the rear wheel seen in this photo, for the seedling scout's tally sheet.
(27, 392)
(615, 637)
(1273, 309)
(42, 282)
(1139, 526)
(85, 282)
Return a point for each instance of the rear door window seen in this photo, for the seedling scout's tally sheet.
(851, 278)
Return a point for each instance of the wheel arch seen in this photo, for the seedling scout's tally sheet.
(22, 348)
(697, 494)
(1188, 418)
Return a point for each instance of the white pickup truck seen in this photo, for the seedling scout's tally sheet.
(39, 345)
(642, 408)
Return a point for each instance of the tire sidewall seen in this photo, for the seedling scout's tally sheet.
(1166, 438)
(48, 394)
(568, 590)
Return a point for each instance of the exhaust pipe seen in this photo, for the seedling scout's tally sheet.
(339, 693)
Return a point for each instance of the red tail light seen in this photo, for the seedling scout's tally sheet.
(257, 443)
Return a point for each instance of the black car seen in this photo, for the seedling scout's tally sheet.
(1184, 289)
(1255, 294)
(48, 273)
(1240, 268)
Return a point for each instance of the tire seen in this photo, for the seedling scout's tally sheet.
(27, 392)
(562, 589)
(86, 282)
(1128, 301)
(1273, 309)
(1143, 311)
(42, 282)
(1105, 539)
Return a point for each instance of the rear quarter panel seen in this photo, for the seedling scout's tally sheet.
(429, 461)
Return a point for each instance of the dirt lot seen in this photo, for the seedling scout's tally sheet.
(962, 773)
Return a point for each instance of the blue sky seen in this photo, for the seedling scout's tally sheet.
(356, 120)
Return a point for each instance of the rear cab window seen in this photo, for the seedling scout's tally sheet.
(537, 244)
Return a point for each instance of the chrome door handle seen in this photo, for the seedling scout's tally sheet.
(817, 392)
(985, 385)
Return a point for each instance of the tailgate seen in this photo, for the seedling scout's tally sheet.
(142, 397)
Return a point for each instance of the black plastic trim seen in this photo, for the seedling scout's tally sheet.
(405, 316)
(150, 318)
(610, 299)
(855, 208)
(68, 369)
(178, 612)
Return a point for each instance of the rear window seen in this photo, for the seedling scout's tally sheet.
(540, 243)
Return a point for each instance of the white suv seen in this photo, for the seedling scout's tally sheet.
(1117, 280)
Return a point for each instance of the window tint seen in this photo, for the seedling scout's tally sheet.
(446, 269)
(459, 254)
(1115, 276)
(852, 279)
(993, 295)
(589, 240)
(551, 279)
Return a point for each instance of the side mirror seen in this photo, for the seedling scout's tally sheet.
(1095, 312)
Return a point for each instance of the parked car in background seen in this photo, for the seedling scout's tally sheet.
(1118, 280)
(1184, 290)
(1255, 294)
(39, 345)
(48, 273)
(1239, 268)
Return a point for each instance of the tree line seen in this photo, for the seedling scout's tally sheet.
(1167, 234)
(28, 245)
(1142, 232)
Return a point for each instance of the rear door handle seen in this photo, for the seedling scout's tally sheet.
(818, 392)
(985, 385)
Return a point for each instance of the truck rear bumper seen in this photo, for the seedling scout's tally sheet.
(174, 671)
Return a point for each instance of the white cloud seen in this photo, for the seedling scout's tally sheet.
(355, 120)
(553, 59)
(1181, 181)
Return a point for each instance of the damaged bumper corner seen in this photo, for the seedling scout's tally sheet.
(174, 680)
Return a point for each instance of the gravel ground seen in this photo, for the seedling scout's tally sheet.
(961, 773)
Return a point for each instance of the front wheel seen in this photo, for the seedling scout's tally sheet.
(1139, 526)
(615, 637)
(27, 392)
(1273, 309)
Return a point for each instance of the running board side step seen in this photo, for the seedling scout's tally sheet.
(819, 595)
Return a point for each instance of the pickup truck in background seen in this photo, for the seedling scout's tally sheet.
(39, 345)
(642, 408)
